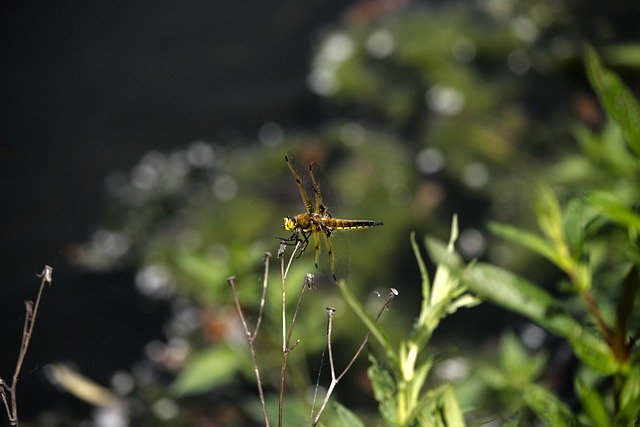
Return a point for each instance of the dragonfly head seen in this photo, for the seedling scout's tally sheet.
(289, 223)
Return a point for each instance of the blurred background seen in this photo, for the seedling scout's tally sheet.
(142, 156)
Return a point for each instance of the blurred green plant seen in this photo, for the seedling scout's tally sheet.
(602, 340)
(399, 377)
(428, 119)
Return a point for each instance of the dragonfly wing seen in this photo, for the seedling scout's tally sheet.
(335, 259)
(317, 195)
(294, 167)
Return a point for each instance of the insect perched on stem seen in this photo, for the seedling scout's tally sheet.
(318, 225)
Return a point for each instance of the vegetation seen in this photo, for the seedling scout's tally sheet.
(435, 112)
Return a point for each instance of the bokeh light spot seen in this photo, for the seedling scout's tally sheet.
(429, 161)
(472, 243)
(445, 100)
(475, 175)
(225, 188)
(200, 154)
(519, 62)
(381, 43)
(270, 134)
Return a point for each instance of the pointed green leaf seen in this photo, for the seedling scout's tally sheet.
(526, 239)
(615, 97)
(443, 286)
(371, 324)
(592, 404)
(207, 369)
(521, 296)
(426, 283)
(384, 386)
(615, 210)
(550, 215)
(624, 54)
(625, 306)
(417, 382)
(574, 225)
(452, 413)
(345, 417)
(630, 397)
(547, 406)
(441, 255)
(517, 294)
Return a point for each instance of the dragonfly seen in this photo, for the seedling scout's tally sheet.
(317, 225)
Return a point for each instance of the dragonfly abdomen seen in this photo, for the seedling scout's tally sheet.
(350, 224)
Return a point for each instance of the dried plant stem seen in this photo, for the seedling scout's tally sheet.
(8, 392)
(286, 337)
(263, 297)
(251, 336)
(336, 378)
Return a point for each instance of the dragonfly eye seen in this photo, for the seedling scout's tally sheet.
(288, 223)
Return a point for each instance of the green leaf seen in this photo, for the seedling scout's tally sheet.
(441, 255)
(630, 397)
(549, 215)
(382, 381)
(426, 283)
(418, 380)
(592, 404)
(625, 307)
(624, 54)
(371, 324)
(593, 351)
(384, 389)
(547, 406)
(452, 413)
(521, 296)
(345, 417)
(206, 370)
(615, 210)
(526, 239)
(615, 97)
(443, 286)
(517, 363)
(574, 226)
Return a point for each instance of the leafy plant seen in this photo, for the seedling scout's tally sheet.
(399, 377)
(602, 340)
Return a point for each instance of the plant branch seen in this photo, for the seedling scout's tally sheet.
(250, 338)
(335, 379)
(8, 392)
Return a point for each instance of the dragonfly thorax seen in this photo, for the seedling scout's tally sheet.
(300, 222)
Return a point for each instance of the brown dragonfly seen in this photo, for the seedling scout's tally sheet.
(318, 226)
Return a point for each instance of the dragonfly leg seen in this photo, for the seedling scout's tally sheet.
(305, 242)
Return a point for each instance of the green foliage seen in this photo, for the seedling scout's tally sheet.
(445, 84)
(206, 370)
(569, 235)
(616, 98)
(400, 383)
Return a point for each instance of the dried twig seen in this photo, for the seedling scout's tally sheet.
(251, 336)
(286, 338)
(8, 392)
(336, 378)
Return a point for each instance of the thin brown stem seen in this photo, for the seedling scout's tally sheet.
(286, 338)
(594, 311)
(8, 392)
(250, 338)
(335, 379)
(263, 297)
